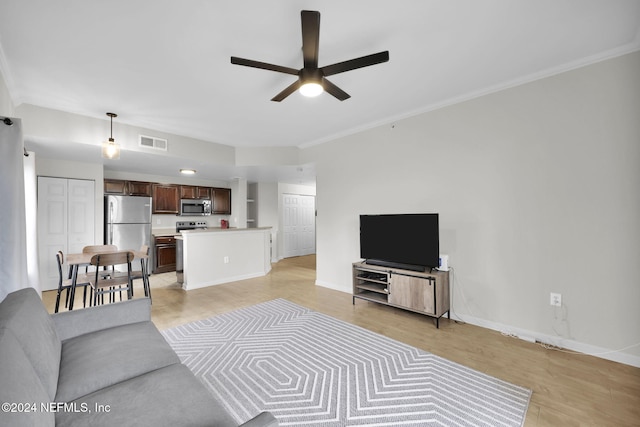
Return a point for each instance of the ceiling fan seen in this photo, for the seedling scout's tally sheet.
(311, 79)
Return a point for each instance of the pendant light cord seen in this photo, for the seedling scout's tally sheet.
(112, 115)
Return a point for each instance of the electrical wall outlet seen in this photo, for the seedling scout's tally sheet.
(556, 299)
(226, 260)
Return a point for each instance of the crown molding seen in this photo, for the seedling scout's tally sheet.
(631, 47)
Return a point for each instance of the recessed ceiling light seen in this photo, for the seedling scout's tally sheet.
(188, 171)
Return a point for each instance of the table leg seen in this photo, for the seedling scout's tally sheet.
(74, 278)
(130, 290)
(68, 293)
(145, 278)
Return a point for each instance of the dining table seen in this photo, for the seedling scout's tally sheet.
(77, 260)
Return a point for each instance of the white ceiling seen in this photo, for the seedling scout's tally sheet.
(165, 64)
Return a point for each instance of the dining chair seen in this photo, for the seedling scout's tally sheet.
(67, 284)
(144, 273)
(96, 249)
(109, 284)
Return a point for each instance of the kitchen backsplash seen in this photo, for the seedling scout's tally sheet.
(169, 221)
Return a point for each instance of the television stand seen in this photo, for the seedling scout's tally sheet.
(421, 292)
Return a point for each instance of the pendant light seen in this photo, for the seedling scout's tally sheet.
(111, 150)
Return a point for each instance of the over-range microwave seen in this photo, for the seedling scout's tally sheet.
(195, 207)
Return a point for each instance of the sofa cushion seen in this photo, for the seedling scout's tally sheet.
(23, 313)
(70, 324)
(100, 359)
(171, 396)
(20, 385)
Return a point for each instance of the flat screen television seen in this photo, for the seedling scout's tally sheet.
(408, 241)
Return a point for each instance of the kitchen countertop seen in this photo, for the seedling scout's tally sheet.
(223, 230)
(161, 232)
(172, 231)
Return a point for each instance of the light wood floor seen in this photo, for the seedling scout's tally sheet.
(568, 389)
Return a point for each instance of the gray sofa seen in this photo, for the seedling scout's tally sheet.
(100, 366)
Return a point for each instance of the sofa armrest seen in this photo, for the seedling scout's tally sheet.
(71, 324)
(263, 419)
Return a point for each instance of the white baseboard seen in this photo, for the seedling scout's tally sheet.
(332, 286)
(223, 281)
(531, 336)
(580, 347)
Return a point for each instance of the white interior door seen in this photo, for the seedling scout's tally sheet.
(299, 225)
(290, 224)
(66, 222)
(52, 227)
(307, 233)
(81, 214)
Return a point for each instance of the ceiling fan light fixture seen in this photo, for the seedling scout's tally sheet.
(311, 79)
(311, 89)
(111, 150)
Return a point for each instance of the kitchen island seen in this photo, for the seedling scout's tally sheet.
(215, 255)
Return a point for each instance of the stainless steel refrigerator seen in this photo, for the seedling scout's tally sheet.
(127, 223)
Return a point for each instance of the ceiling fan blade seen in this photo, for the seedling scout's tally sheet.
(310, 37)
(287, 91)
(263, 65)
(335, 90)
(353, 64)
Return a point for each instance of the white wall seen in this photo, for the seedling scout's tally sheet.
(268, 216)
(6, 103)
(273, 156)
(215, 257)
(53, 125)
(538, 190)
(238, 203)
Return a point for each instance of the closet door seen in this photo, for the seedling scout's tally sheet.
(52, 227)
(307, 234)
(81, 214)
(299, 225)
(66, 222)
(290, 224)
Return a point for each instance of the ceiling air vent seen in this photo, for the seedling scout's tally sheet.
(153, 142)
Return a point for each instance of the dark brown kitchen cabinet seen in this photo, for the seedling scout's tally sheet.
(221, 198)
(166, 198)
(188, 192)
(193, 192)
(115, 186)
(164, 254)
(204, 193)
(127, 188)
(139, 188)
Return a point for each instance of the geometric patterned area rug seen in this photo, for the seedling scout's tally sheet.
(308, 368)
